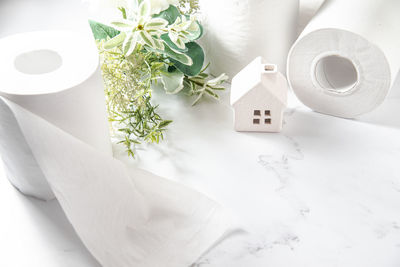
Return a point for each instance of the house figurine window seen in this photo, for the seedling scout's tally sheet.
(258, 117)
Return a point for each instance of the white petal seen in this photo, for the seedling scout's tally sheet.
(147, 39)
(123, 25)
(156, 23)
(133, 43)
(145, 8)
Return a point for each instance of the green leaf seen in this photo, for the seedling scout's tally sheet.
(159, 44)
(172, 54)
(101, 31)
(116, 41)
(123, 11)
(172, 81)
(197, 99)
(196, 53)
(203, 75)
(179, 43)
(165, 123)
(178, 57)
(218, 80)
(171, 44)
(199, 32)
(212, 93)
(170, 14)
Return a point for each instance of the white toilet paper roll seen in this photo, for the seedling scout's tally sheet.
(53, 122)
(238, 31)
(347, 58)
(56, 76)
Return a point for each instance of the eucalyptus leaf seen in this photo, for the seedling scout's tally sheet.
(178, 57)
(170, 14)
(199, 32)
(196, 53)
(101, 31)
(172, 81)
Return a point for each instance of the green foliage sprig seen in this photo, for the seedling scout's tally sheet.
(200, 85)
(189, 6)
(143, 48)
(142, 123)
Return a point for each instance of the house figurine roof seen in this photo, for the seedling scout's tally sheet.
(258, 72)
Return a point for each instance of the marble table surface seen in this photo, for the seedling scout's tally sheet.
(323, 192)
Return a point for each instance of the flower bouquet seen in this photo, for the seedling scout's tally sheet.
(154, 41)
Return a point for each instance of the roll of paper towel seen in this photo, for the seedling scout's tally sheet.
(54, 140)
(238, 31)
(347, 58)
(54, 75)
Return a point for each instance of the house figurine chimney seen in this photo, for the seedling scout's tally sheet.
(259, 97)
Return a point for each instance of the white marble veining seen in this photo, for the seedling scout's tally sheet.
(324, 192)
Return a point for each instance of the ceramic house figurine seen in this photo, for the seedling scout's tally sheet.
(259, 97)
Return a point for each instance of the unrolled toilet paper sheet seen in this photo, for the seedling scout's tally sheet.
(124, 216)
(345, 65)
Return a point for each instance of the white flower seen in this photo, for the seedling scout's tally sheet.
(141, 29)
(159, 5)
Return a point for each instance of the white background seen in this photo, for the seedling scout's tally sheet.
(324, 192)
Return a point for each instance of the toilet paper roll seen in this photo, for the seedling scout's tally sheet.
(238, 31)
(53, 122)
(56, 76)
(347, 58)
